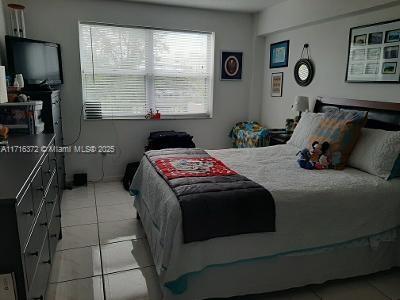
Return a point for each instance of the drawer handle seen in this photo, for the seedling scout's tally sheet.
(28, 213)
(53, 235)
(47, 262)
(54, 159)
(36, 253)
(38, 298)
(43, 224)
(50, 202)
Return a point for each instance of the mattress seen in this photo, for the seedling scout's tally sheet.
(314, 209)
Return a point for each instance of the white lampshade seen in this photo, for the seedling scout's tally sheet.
(301, 104)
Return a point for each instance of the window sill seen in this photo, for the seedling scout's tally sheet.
(142, 118)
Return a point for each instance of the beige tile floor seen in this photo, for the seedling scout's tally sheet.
(104, 248)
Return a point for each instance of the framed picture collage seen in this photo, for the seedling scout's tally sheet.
(374, 53)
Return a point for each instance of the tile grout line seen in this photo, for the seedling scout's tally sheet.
(378, 290)
(100, 251)
(112, 221)
(316, 294)
(131, 269)
(73, 248)
(89, 246)
(111, 273)
(78, 225)
(75, 279)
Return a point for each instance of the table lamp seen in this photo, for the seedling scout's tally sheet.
(301, 105)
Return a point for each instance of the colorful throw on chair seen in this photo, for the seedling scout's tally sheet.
(249, 135)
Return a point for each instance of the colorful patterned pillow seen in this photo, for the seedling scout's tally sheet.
(342, 130)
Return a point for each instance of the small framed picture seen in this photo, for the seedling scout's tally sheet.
(392, 36)
(356, 69)
(375, 38)
(231, 65)
(358, 54)
(276, 84)
(391, 52)
(360, 40)
(279, 55)
(372, 68)
(374, 54)
(389, 68)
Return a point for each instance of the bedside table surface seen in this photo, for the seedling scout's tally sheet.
(279, 138)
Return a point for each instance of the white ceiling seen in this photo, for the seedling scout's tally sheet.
(229, 5)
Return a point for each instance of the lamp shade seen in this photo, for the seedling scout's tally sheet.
(301, 104)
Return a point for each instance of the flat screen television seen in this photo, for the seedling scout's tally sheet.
(38, 61)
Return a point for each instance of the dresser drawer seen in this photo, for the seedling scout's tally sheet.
(39, 284)
(32, 251)
(37, 190)
(51, 195)
(25, 216)
(46, 171)
(54, 233)
(52, 161)
(60, 170)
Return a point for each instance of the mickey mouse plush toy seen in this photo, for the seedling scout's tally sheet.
(318, 158)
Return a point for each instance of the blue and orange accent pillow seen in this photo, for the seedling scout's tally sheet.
(341, 129)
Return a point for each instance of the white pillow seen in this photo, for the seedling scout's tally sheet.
(308, 122)
(376, 152)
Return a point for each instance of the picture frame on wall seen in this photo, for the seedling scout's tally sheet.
(276, 84)
(279, 55)
(392, 36)
(231, 65)
(374, 53)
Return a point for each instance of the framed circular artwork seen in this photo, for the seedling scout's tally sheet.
(231, 65)
(304, 72)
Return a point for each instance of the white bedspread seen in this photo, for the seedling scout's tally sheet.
(313, 209)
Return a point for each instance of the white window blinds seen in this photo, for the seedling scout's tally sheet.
(128, 71)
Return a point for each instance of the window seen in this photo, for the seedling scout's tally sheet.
(126, 71)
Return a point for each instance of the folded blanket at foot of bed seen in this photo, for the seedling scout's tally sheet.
(215, 201)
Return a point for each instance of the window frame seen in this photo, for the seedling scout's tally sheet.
(208, 115)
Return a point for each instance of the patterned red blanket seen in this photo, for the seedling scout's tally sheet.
(178, 167)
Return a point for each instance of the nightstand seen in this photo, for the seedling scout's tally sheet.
(279, 138)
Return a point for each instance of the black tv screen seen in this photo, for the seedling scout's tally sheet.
(37, 61)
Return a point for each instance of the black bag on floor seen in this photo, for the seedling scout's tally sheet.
(130, 171)
(169, 139)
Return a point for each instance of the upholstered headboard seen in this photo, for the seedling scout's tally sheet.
(381, 115)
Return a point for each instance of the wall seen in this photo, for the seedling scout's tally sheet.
(57, 21)
(328, 45)
(3, 32)
(295, 13)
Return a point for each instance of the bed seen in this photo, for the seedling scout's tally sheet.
(329, 225)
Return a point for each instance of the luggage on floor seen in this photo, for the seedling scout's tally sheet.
(158, 140)
(169, 139)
